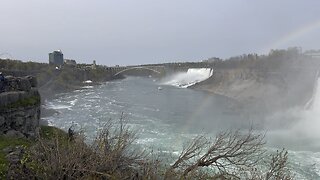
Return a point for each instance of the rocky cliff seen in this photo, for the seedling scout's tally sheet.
(268, 90)
(20, 107)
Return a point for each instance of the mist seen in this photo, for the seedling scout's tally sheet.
(125, 32)
(296, 128)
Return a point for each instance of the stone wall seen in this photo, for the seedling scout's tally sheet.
(20, 107)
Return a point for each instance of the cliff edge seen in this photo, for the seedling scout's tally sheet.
(19, 107)
(279, 80)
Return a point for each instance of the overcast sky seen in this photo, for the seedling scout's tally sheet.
(151, 31)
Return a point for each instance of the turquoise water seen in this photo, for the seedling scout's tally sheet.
(165, 119)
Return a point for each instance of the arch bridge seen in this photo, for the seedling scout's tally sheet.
(138, 70)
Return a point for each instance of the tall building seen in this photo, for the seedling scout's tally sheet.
(56, 58)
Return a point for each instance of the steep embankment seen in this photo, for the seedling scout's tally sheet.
(19, 107)
(54, 81)
(264, 89)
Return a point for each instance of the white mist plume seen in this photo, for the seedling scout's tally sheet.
(186, 79)
(298, 128)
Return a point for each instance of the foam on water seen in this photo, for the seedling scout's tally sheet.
(145, 140)
(306, 165)
(73, 102)
(87, 87)
(59, 106)
(189, 78)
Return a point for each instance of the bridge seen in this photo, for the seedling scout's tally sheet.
(141, 69)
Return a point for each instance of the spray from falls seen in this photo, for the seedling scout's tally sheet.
(311, 122)
(297, 128)
(189, 78)
(316, 98)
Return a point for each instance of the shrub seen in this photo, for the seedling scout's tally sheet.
(231, 155)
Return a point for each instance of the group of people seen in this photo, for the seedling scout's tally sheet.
(2, 82)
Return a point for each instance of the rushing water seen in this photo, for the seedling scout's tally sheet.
(186, 79)
(166, 118)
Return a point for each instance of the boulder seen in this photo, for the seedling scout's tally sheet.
(20, 83)
(19, 121)
(33, 81)
(14, 134)
(24, 84)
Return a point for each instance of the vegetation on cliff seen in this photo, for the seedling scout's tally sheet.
(53, 80)
(7, 142)
(112, 155)
(276, 59)
(29, 101)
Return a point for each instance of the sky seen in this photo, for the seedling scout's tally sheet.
(130, 32)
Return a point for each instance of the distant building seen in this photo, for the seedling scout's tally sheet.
(211, 60)
(70, 62)
(56, 58)
(313, 54)
(94, 65)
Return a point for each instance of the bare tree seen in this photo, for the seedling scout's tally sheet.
(278, 166)
(231, 155)
(230, 151)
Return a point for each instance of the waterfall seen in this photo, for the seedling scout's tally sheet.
(314, 101)
(189, 78)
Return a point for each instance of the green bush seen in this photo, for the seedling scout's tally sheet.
(30, 101)
(6, 142)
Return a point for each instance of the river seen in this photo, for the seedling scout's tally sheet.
(168, 116)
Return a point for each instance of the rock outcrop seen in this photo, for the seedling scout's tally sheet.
(20, 107)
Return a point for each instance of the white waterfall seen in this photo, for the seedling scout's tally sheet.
(189, 78)
(314, 101)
